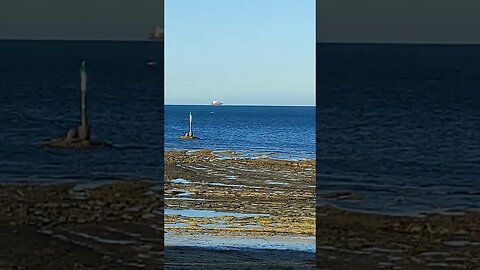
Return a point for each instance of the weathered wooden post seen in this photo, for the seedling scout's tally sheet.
(83, 129)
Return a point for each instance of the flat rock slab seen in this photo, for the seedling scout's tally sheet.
(84, 144)
(189, 138)
(117, 225)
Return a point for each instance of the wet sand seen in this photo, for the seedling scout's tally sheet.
(223, 194)
(349, 240)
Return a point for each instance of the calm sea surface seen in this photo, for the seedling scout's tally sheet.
(286, 132)
(39, 100)
(400, 125)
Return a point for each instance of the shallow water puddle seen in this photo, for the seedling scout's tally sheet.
(104, 240)
(186, 199)
(179, 192)
(122, 232)
(434, 253)
(184, 166)
(184, 194)
(460, 243)
(208, 213)
(253, 226)
(214, 226)
(225, 185)
(218, 224)
(271, 182)
(176, 225)
(180, 181)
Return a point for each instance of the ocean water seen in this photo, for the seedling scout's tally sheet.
(296, 243)
(39, 100)
(286, 132)
(400, 125)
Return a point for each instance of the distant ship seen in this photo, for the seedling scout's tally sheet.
(151, 63)
(157, 34)
(216, 103)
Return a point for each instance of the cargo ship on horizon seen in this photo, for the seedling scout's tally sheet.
(216, 103)
(157, 34)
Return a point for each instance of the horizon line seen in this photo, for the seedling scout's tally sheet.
(317, 42)
(399, 43)
(80, 39)
(258, 105)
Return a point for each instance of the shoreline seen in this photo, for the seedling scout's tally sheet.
(447, 212)
(212, 202)
(243, 243)
(231, 201)
(180, 257)
(114, 225)
(246, 154)
(385, 241)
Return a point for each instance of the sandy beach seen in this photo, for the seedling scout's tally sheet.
(231, 200)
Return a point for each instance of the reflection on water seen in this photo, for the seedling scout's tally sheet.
(224, 243)
(208, 213)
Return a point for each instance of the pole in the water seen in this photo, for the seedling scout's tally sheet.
(83, 129)
(190, 133)
(79, 136)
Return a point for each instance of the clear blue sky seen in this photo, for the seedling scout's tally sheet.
(240, 52)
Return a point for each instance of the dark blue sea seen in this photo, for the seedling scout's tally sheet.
(280, 132)
(399, 125)
(39, 100)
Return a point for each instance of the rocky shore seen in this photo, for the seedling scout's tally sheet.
(117, 225)
(225, 194)
(349, 240)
